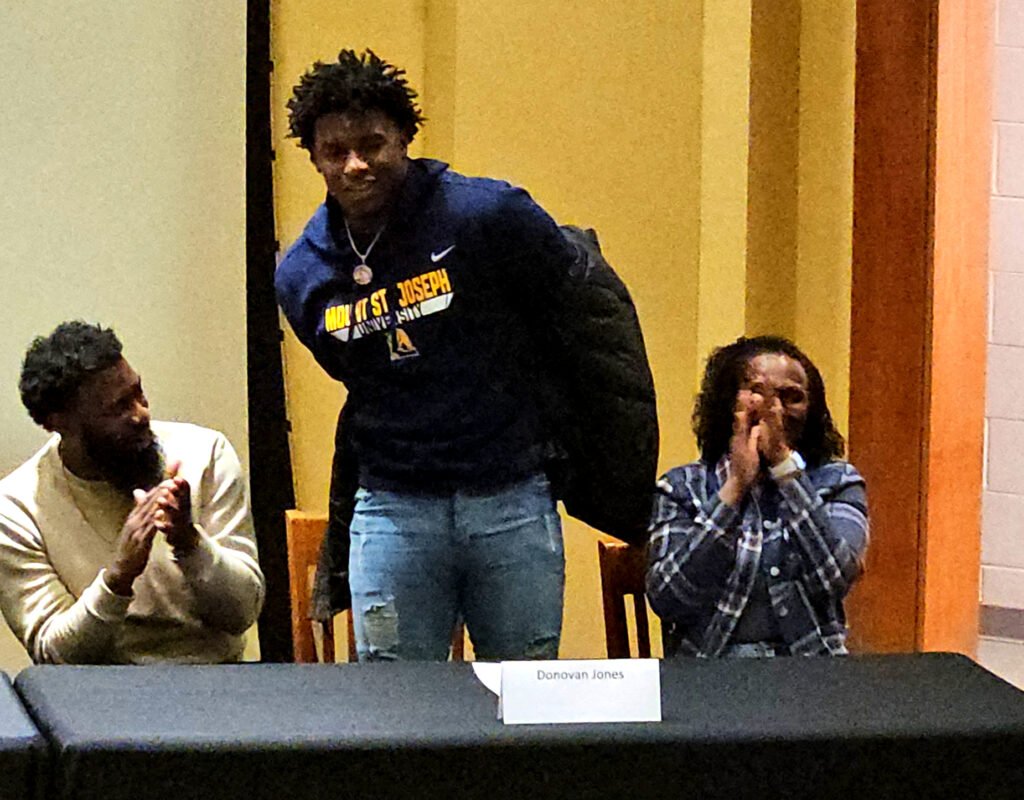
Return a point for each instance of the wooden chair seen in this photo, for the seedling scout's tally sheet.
(622, 573)
(303, 534)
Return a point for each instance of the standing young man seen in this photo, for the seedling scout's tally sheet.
(431, 296)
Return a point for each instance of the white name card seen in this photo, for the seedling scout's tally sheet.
(613, 690)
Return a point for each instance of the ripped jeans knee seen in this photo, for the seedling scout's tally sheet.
(378, 638)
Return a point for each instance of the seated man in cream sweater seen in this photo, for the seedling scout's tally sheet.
(121, 541)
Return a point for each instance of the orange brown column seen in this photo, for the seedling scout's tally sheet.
(918, 317)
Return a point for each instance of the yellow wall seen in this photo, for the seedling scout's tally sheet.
(825, 200)
(801, 182)
(302, 33)
(725, 93)
(633, 123)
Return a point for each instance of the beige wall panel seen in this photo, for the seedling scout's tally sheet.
(124, 200)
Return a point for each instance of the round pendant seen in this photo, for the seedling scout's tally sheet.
(362, 274)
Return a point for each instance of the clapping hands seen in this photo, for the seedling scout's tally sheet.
(167, 509)
(758, 440)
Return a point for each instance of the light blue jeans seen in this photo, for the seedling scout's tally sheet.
(419, 562)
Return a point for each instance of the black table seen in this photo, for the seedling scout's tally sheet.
(22, 749)
(933, 725)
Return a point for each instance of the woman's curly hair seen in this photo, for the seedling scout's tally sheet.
(726, 370)
(353, 83)
(55, 366)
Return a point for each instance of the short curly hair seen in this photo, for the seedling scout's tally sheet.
(713, 413)
(56, 366)
(353, 83)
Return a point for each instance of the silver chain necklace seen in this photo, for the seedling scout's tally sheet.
(362, 274)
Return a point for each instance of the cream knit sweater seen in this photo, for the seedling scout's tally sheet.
(57, 532)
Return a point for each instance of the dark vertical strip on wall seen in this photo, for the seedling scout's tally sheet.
(270, 470)
(774, 167)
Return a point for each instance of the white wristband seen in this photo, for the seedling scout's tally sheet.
(789, 467)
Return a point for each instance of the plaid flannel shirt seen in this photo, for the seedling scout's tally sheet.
(807, 534)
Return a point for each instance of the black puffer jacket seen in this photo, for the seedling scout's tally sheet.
(600, 410)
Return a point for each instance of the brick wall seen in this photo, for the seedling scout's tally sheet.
(1002, 571)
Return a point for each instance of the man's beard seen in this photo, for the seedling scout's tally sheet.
(127, 468)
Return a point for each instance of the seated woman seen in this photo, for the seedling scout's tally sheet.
(753, 547)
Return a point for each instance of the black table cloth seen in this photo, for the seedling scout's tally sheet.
(933, 725)
(22, 749)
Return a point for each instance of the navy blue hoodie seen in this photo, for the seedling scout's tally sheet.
(440, 350)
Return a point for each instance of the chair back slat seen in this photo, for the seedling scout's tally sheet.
(303, 534)
(622, 573)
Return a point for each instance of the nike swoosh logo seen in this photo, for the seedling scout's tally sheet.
(435, 257)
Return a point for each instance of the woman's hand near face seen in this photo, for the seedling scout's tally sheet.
(744, 448)
(773, 443)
